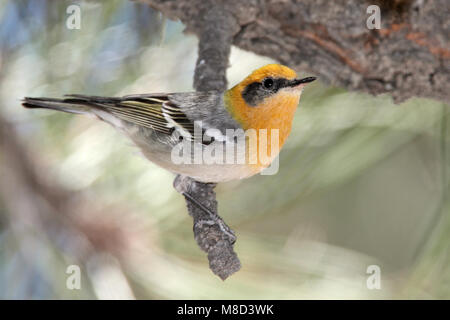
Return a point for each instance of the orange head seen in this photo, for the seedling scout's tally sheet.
(267, 98)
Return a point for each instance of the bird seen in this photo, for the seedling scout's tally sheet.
(204, 122)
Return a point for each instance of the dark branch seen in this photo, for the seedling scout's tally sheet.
(408, 57)
(215, 38)
(210, 231)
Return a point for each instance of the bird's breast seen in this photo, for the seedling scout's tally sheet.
(271, 120)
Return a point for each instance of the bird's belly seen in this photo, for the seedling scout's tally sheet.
(199, 165)
(213, 172)
(200, 171)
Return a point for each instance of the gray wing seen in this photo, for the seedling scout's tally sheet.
(207, 107)
(183, 112)
(163, 113)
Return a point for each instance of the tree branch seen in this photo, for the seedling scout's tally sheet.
(210, 231)
(408, 57)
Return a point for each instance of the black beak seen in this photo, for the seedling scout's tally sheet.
(296, 82)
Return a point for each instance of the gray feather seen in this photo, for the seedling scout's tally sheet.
(207, 107)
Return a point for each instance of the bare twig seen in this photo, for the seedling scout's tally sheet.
(210, 231)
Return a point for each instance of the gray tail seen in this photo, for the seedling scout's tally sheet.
(72, 103)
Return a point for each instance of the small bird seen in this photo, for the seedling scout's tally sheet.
(158, 122)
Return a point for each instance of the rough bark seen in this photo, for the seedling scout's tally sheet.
(213, 236)
(408, 57)
(211, 233)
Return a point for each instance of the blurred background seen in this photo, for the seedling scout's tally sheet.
(362, 181)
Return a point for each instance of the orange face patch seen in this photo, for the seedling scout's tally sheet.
(274, 112)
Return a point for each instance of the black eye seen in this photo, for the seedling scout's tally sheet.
(268, 83)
